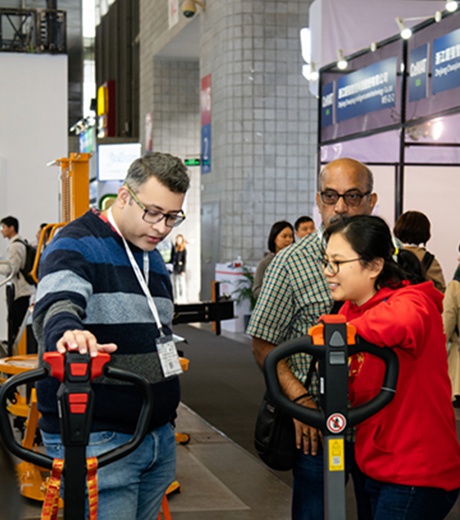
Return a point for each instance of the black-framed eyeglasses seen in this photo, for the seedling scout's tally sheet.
(351, 198)
(153, 216)
(333, 266)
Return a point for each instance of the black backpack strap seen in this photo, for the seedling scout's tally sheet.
(24, 243)
(427, 260)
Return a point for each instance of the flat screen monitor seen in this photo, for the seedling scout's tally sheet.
(115, 159)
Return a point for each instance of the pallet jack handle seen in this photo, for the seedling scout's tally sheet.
(75, 400)
(342, 343)
(331, 342)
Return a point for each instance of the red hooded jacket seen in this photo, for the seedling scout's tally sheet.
(413, 440)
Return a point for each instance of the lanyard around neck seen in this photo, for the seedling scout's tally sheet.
(143, 280)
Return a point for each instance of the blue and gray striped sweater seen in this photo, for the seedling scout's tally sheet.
(87, 282)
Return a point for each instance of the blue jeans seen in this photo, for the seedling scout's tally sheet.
(308, 486)
(133, 487)
(409, 502)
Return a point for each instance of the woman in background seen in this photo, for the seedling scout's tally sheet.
(408, 451)
(179, 265)
(451, 319)
(413, 228)
(281, 235)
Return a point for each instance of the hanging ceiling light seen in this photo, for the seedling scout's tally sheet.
(342, 63)
(404, 31)
(451, 5)
(309, 71)
(314, 74)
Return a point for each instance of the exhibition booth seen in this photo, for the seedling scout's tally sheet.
(396, 107)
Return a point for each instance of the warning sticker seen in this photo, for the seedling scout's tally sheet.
(336, 455)
(336, 423)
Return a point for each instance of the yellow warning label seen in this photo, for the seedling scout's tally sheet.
(336, 455)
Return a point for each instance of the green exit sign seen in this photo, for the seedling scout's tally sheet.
(192, 162)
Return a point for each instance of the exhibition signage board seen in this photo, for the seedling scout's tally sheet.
(366, 90)
(418, 73)
(446, 62)
(327, 104)
(205, 106)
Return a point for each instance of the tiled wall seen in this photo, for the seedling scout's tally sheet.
(263, 116)
(263, 120)
(176, 130)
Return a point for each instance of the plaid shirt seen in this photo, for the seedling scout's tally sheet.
(294, 295)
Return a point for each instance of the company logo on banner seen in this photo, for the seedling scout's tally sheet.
(446, 62)
(205, 103)
(327, 105)
(367, 90)
(418, 73)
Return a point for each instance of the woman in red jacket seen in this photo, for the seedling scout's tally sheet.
(408, 451)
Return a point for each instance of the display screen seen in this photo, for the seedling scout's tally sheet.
(114, 160)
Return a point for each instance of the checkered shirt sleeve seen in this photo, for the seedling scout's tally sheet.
(294, 295)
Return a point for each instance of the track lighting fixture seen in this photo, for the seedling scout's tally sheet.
(314, 74)
(404, 31)
(451, 5)
(342, 63)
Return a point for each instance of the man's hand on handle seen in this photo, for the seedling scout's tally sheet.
(83, 341)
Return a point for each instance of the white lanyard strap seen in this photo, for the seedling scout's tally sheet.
(143, 280)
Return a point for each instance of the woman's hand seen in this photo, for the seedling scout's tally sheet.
(83, 341)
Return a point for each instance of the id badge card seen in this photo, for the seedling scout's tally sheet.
(169, 358)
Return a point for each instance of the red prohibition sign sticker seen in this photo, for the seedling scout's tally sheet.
(336, 423)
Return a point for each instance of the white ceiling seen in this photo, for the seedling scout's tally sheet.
(186, 45)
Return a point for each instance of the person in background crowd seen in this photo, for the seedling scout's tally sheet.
(409, 451)
(105, 288)
(281, 235)
(16, 256)
(39, 232)
(451, 319)
(413, 228)
(179, 268)
(294, 295)
(166, 250)
(303, 226)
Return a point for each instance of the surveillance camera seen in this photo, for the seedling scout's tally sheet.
(189, 8)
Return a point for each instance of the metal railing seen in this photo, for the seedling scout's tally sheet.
(33, 30)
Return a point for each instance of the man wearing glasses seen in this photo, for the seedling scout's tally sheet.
(294, 295)
(104, 287)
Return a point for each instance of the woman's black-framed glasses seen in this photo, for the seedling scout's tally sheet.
(333, 266)
(153, 216)
(351, 198)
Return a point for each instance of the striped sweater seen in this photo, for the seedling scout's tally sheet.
(87, 283)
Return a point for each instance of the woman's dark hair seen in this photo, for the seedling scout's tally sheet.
(371, 238)
(275, 231)
(413, 227)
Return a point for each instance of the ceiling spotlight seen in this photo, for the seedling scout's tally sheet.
(438, 16)
(451, 5)
(309, 71)
(342, 63)
(373, 46)
(436, 129)
(314, 74)
(404, 31)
